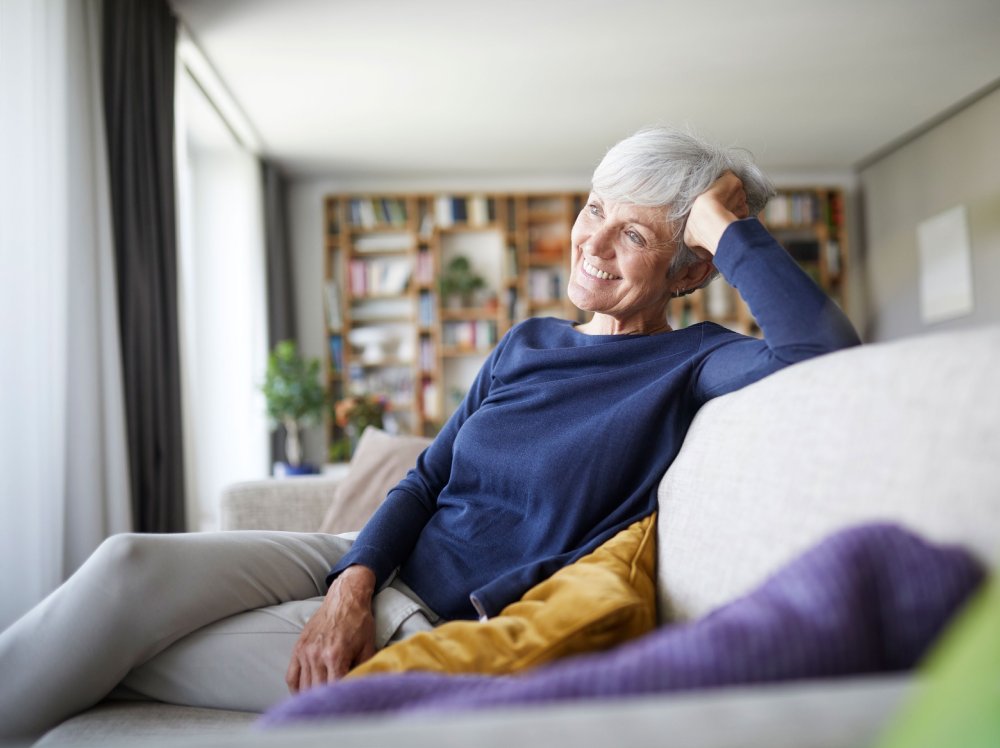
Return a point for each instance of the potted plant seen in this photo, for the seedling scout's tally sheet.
(353, 415)
(460, 281)
(295, 398)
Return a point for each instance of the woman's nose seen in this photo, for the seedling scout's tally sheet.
(599, 244)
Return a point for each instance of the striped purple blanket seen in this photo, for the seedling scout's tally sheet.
(867, 599)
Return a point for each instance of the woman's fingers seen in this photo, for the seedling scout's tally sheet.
(731, 193)
(339, 634)
(713, 210)
(292, 674)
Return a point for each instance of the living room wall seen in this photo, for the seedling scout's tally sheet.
(957, 162)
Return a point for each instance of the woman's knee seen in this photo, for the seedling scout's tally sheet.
(129, 557)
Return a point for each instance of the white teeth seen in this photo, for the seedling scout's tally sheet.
(599, 273)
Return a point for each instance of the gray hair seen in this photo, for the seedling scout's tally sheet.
(666, 167)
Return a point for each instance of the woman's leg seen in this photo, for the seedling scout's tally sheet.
(240, 662)
(133, 598)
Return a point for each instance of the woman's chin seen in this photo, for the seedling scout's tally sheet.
(582, 299)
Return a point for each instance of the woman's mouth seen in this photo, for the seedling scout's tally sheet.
(592, 271)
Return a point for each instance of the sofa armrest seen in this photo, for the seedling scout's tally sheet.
(290, 504)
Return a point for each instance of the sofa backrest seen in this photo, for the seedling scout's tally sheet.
(906, 431)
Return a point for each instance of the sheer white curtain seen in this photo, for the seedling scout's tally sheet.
(223, 305)
(63, 476)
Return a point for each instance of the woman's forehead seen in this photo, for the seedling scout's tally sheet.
(654, 216)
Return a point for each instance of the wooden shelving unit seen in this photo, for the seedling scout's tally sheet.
(390, 333)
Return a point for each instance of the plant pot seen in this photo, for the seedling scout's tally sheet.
(284, 470)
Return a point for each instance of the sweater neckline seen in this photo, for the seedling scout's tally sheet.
(584, 337)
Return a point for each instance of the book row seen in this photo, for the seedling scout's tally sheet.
(546, 284)
(370, 212)
(379, 277)
(478, 335)
(804, 209)
(477, 210)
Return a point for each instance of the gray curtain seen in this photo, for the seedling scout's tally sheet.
(280, 286)
(138, 47)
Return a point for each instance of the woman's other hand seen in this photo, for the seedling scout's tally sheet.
(340, 635)
(713, 210)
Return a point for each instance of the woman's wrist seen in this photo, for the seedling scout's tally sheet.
(359, 578)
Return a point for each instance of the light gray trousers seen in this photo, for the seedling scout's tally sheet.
(202, 619)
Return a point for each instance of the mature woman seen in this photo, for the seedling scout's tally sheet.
(558, 446)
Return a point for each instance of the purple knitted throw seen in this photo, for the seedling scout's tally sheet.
(867, 599)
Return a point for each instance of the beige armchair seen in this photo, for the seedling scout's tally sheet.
(290, 504)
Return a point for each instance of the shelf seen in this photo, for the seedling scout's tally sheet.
(546, 259)
(460, 315)
(387, 363)
(404, 296)
(387, 320)
(455, 352)
(461, 228)
(548, 216)
(379, 228)
(359, 254)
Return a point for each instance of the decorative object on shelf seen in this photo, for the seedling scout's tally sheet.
(295, 398)
(372, 341)
(354, 415)
(460, 282)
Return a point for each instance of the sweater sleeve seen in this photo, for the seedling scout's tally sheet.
(797, 319)
(388, 538)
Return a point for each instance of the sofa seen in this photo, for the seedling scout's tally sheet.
(906, 431)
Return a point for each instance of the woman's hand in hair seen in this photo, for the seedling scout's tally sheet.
(713, 210)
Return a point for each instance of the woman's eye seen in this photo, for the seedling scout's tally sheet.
(593, 210)
(634, 237)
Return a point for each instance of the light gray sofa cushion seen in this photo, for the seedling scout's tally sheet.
(838, 713)
(907, 431)
(142, 722)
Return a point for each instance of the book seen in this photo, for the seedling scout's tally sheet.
(459, 210)
(336, 353)
(479, 214)
(426, 309)
(379, 276)
(331, 302)
(444, 216)
(431, 404)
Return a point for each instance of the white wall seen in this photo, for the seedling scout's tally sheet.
(955, 163)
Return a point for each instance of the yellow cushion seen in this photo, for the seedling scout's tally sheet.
(601, 600)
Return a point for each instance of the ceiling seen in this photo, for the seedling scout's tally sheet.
(397, 88)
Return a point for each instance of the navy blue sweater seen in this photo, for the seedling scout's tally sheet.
(563, 437)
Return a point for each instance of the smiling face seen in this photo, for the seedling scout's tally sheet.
(620, 258)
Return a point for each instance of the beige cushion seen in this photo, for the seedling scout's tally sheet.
(380, 461)
(907, 431)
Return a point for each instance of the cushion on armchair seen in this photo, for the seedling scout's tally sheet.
(380, 461)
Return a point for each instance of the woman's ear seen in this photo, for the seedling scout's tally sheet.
(693, 275)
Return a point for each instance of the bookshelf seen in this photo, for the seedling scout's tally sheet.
(390, 331)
